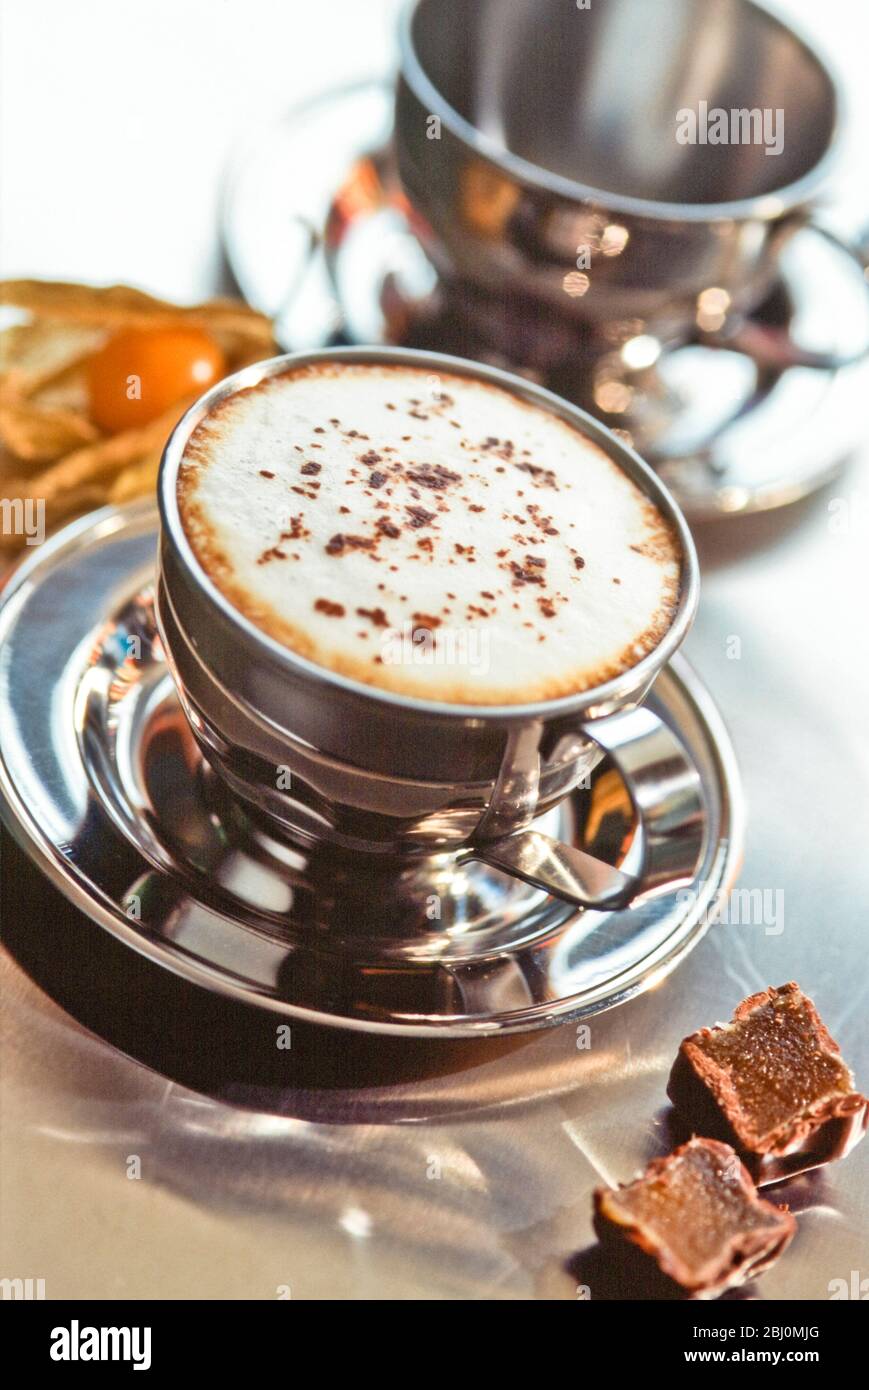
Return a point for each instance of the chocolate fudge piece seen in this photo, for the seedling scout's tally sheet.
(697, 1215)
(773, 1084)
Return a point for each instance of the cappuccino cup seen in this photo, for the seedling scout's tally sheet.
(409, 602)
(637, 168)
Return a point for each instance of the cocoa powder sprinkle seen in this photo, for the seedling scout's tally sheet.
(434, 476)
(339, 543)
(374, 615)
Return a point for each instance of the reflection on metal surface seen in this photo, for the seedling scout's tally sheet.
(614, 239)
(727, 436)
(575, 283)
(712, 307)
(168, 862)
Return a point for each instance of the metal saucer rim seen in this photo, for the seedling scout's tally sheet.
(88, 897)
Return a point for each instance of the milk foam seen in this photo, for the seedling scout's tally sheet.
(429, 535)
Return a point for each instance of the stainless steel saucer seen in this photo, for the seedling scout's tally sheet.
(102, 784)
(319, 235)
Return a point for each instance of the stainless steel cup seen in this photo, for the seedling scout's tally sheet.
(328, 759)
(539, 145)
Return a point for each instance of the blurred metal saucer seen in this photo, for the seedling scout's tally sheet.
(102, 784)
(319, 234)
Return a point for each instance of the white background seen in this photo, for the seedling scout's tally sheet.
(116, 117)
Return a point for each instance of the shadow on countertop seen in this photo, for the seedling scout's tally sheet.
(205, 1042)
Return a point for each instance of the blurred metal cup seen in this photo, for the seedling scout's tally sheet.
(568, 153)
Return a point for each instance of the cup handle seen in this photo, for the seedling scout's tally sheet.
(666, 793)
(773, 348)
